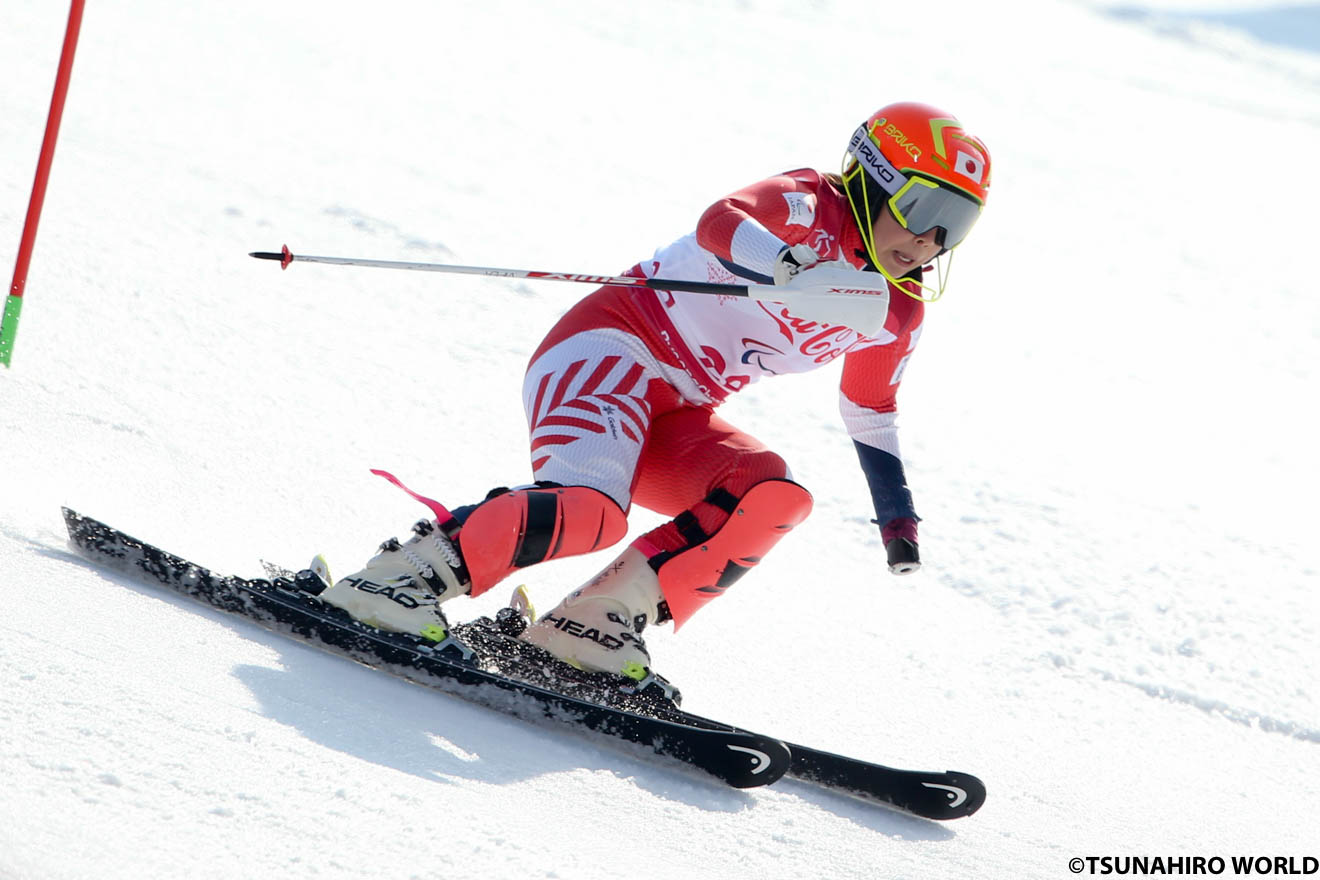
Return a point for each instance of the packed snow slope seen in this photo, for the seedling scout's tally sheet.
(1109, 427)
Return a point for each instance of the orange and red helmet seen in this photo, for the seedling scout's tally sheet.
(919, 161)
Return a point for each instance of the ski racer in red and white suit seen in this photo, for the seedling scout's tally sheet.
(621, 395)
(621, 399)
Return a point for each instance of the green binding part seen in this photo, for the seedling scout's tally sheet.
(434, 631)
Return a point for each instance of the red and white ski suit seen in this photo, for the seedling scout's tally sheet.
(621, 395)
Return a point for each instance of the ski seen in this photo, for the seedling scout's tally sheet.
(739, 758)
(481, 661)
(930, 794)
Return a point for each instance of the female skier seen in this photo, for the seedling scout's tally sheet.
(621, 400)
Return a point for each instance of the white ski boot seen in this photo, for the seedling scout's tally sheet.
(402, 587)
(598, 627)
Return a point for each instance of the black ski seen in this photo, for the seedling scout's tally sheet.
(481, 662)
(740, 758)
(930, 794)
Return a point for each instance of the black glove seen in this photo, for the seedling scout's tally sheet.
(900, 537)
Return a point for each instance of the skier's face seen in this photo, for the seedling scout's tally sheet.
(898, 250)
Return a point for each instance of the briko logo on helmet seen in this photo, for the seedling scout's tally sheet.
(918, 161)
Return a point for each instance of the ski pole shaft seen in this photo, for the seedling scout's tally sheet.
(14, 301)
(285, 257)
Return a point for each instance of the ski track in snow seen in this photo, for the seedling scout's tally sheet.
(1107, 433)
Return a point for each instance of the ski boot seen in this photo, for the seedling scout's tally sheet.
(598, 627)
(402, 586)
(502, 637)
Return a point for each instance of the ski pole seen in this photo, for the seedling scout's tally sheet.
(830, 291)
(14, 301)
(285, 257)
(831, 296)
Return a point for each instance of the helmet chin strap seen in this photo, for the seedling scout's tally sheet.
(943, 266)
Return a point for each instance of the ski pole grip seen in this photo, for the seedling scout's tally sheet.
(285, 256)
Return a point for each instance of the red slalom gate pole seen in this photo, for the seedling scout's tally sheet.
(14, 301)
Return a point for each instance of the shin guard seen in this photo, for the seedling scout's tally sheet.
(521, 527)
(710, 564)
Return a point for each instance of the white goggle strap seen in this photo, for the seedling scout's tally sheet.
(868, 155)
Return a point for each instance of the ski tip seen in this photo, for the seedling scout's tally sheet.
(956, 795)
(766, 760)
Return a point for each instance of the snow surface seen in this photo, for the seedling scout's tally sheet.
(1107, 430)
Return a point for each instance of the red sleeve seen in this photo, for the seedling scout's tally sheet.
(868, 402)
(871, 376)
(750, 227)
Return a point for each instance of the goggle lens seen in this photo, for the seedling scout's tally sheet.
(922, 205)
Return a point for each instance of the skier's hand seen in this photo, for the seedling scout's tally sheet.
(796, 259)
(900, 537)
(792, 260)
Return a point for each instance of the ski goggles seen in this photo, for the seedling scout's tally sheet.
(921, 205)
